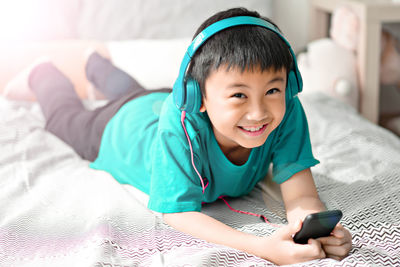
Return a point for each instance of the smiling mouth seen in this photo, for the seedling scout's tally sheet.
(254, 131)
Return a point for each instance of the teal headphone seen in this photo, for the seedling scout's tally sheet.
(186, 90)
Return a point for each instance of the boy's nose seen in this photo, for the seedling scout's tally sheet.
(257, 112)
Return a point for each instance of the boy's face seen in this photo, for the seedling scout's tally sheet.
(244, 107)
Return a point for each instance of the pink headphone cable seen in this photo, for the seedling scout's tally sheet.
(183, 115)
(262, 217)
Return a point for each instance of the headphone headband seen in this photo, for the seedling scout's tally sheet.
(224, 24)
(182, 96)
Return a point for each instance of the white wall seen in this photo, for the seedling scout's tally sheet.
(292, 17)
(154, 19)
(128, 19)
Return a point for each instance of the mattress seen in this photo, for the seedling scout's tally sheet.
(56, 211)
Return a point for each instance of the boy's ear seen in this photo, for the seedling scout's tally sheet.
(202, 107)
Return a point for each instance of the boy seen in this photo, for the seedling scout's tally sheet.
(246, 120)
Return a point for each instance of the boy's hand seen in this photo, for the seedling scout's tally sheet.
(338, 245)
(282, 249)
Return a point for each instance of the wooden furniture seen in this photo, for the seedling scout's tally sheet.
(372, 14)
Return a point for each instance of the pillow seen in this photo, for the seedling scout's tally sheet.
(154, 63)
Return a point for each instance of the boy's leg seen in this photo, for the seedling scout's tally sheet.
(65, 115)
(108, 79)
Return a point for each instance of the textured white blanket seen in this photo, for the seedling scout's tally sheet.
(56, 211)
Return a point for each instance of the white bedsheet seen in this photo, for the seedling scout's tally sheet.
(56, 211)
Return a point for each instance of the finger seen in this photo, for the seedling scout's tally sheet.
(339, 237)
(297, 226)
(338, 231)
(339, 225)
(293, 228)
(339, 251)
(316, 249)
(310, 251)
(331, 241)
(334, 257)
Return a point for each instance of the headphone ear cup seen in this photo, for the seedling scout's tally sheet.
(178, 93)
(193, 96)
(292, 88)
(299, 79)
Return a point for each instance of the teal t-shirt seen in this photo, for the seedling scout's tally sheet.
(144, 145)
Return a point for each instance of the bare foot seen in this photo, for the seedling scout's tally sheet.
(18, 87)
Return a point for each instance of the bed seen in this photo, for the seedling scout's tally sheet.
(56, 211)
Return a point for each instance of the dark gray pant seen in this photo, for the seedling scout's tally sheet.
(65, 115)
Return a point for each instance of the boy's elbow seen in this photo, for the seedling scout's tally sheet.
(167, 216)
(177, 217)
(171, 218)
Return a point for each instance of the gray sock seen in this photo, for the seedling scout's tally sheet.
(108, 79)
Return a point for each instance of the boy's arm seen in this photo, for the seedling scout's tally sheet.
(300, 196)
(207, 228)
(278, 248)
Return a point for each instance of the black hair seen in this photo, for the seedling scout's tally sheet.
(246, 47)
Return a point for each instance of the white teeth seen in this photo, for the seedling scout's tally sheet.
(253, 129)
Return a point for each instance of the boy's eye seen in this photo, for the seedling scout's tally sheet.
(238, 95)
(273, 91)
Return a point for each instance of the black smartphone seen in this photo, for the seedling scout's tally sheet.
(318, 224)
